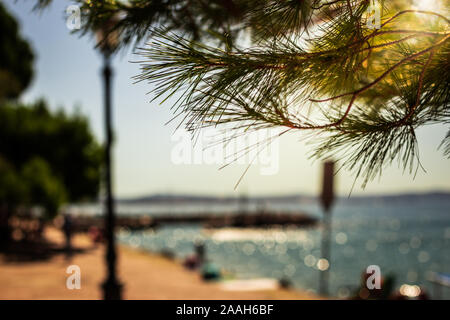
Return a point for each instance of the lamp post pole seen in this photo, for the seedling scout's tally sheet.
(112, 289)
(327, 198)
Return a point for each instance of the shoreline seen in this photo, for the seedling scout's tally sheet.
(145, 275)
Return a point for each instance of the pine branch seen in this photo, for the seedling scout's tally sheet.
(382, 83)
(379, 85)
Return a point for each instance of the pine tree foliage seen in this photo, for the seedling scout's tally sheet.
(195, 19)
(362, 91)
(313, 66)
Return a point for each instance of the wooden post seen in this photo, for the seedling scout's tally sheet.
(327, 196)
(327, 199)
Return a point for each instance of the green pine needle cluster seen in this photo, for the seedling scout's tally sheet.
(362, 91)
(314, 66)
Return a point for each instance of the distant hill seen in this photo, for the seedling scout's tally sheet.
(170, 198)
(404, 197)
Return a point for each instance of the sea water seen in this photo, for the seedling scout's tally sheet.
(409, 240)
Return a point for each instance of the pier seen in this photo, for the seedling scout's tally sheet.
(263, 219)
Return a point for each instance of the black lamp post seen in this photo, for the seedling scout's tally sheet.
(327, 199)
(107, 42)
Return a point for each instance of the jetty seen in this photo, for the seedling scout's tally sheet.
(262, 219)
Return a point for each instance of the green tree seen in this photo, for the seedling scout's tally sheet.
(43, 188)
(12, 193)
(16, 58)
(65, 142)
(46, 159)
(12, 189)
(33, 185)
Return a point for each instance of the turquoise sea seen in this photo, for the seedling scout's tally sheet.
(409, 239)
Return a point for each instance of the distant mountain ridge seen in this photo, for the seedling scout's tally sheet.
(184, 198)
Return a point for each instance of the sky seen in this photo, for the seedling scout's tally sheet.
(146, 158)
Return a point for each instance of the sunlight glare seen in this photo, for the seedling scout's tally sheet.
(427, 5)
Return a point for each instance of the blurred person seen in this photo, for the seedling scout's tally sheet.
(196, 260)
(68, 229)
(200, 252)
(95, 234)
(191, 262)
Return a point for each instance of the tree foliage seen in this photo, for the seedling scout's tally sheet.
(46, 158)
(16, 58)
(54, 156)
(43, 187)
(12, 189)
(33, 185)
(359, 92)
(313, 66)
(65, 142)
(200, 19)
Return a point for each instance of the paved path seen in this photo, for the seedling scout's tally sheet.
(145, 276)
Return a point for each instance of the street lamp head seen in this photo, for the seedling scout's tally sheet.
(108, 36)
